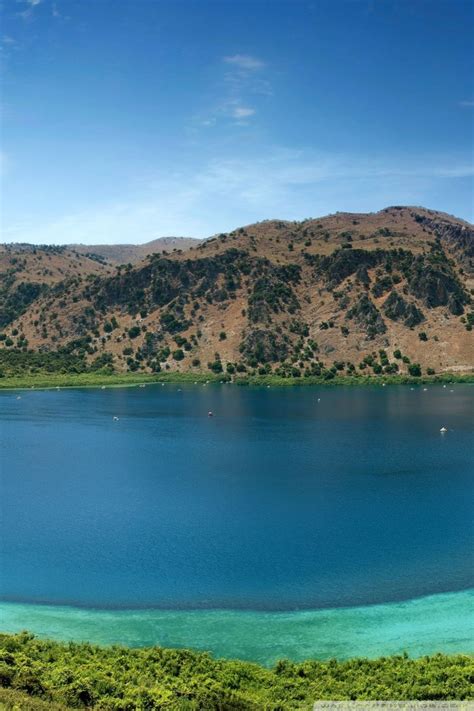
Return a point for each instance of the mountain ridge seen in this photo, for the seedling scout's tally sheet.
(349, 293)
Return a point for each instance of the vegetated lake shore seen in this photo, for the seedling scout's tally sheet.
(86, 676)
(97, 380)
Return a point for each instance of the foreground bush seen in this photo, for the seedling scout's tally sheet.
(73, 675)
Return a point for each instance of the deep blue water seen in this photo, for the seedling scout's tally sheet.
(277, 502)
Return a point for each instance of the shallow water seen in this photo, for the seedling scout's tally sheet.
(438, 623)
(285, 499)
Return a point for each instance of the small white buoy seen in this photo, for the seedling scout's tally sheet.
(142, 386)
(451, 391)
(443, 430)
(268, 386)
(103, 387)
(116, 419)
(425, 389)
(58, 388)
(319, 399)
(444, 386)
(383, 385)
(210, 413)
(18, 397)
(179, 390)
(412, 388)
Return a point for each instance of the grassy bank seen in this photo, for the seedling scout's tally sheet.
(97, 379)
(86, 676)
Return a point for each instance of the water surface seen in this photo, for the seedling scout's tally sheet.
(298, 498)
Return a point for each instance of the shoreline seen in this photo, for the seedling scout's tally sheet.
(98, 380)
(419, 626)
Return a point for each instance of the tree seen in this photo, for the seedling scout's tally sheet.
(414, 369)
(134, 331)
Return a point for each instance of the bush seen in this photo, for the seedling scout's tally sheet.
(178, 354)
(414, 369)
(215, 366)
(134, 332)
(422, 336)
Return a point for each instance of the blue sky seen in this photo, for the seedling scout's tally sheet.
(127, 120)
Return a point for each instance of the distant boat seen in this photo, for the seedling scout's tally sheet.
(103, 387)
(443, 430)
(116, 419)
(210, 413)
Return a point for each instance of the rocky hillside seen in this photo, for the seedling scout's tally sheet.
(133, 253)
(351, 293)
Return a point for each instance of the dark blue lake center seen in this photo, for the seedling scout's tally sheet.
(279, 501)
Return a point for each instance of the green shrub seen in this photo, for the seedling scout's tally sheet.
(134, 331)
(414, 369)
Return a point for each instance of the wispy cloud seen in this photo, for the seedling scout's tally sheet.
(240, 112)
(29, 6)
(467, 103)
(245, 62)
(226, 193)
(242, 82)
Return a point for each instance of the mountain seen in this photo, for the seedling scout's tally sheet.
(133, 253)
(352, 293)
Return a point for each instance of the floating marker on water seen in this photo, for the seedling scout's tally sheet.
(443, 430)
(210, 413)
(116, 418)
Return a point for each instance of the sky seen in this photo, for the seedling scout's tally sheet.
(127, 120)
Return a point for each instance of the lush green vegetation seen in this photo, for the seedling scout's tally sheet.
(98, 379)
(85, 676)
(95, 380)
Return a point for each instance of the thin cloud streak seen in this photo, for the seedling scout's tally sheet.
(245, 62)
(239, 87)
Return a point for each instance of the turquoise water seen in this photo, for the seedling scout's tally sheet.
(294, 522)
(439, 623)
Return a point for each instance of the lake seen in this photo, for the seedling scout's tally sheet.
(287, 499)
